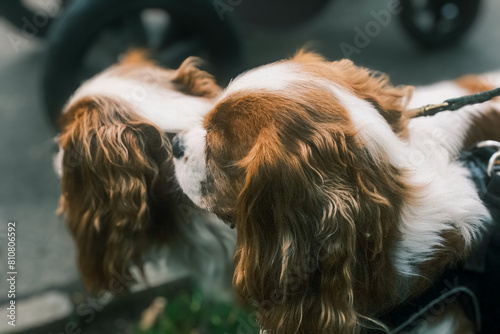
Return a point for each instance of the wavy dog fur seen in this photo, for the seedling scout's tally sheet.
(314, 162)
(313, 201)
(118, 191)
(119, 196)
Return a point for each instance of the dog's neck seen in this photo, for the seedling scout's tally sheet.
(447, 217)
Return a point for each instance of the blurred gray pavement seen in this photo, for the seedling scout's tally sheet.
(29, 189)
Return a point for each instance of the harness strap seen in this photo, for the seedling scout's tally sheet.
(476, 282)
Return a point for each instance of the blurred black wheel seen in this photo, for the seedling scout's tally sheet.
(438, 23)
(90, 35)
(277, 13)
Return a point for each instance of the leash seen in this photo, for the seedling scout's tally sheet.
(454, 104)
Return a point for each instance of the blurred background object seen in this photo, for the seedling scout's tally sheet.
(48, 47)
(276, 13)
(438, 23)
(89, 35)
(86, 36)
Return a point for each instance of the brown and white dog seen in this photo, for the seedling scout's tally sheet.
(119, 195)
(344, 206)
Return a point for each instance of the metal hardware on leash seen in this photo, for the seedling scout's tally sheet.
(454, 104)
(495, 157)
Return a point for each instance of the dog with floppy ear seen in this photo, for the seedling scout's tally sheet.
(119, 196)
(342, 207)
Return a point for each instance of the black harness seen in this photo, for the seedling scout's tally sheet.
(476, 282)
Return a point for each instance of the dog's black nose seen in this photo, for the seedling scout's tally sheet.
(177, 147)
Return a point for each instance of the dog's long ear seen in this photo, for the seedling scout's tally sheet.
(314, 220)
(115, 188)
(191, 80)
